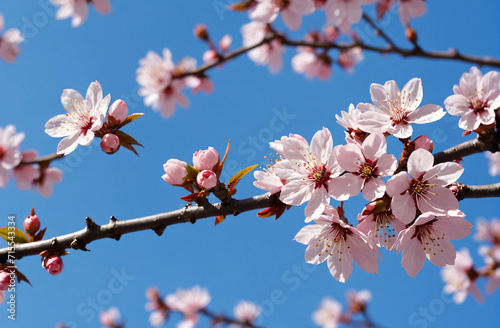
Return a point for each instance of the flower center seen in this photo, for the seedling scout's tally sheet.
(477, 104)
(320, 176)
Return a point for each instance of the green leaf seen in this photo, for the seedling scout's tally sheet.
(237, 177)
(12, 234)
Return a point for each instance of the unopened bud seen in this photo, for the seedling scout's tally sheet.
(175, 171)
(4, 280)
(205, 159)
(118, 111)
(423, 142)
(32, 223)
(110, 143)
(200, 31)
(210, 55)
(53, 264)
(225, 42)
(411, 35)
(331, 33)
(206, 179)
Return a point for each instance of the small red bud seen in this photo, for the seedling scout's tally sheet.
(32, 223)
(200, 31)
(110, 143)
(53, 264)
(4, 280)
(118, 111)
(411, 35)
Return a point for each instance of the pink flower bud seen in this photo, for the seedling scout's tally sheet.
(423, 142)
(205, 159)
(110, 143)
(210, 55)
(331, 33)
(53, 264)
(225, 42)
(31, 224)
(206, 179)
(4, 280)
(175, 171)
(118, 111)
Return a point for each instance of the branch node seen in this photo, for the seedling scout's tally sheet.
(77, 244)
(112, 219)
(112, 222)
(159, 231)
(54, 241)
(91, 225)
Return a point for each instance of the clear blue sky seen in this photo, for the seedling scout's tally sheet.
(245, 257)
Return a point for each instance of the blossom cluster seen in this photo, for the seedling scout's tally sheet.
(461, 278)
(410, 205)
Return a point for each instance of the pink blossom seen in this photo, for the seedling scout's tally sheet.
(426, 189)
(159, 89)
(225, 42)
(430, 237)
(110, 143)
(207, 179)
(309, 171)
(83, 118)
(395, 109)
(291, 11)
(175, 172)
(268, 180)
(110, 318)
(4, 280)
(365, 166)
(189, 302)
(267, 54)
(492, 258)
(339, 243)
(210, 55)
(460, 278)
(197, 83)
(10, 156)
(206, 159)
(358, 301)
(423, 142)
(350, 57)
(312, 64)
(118, 112)
(246, 312)
(2, 296)
(78, 9)
(493, 162)
(488, 231)
(31, 224)
(160, 310)
(410, 8)
(277, 145)
(9, 49)
(475, 99)
(378, 223)
(350, 121)
(344, 13)
(48, 177)
(53, 264)
(26, 175)
(329, 314)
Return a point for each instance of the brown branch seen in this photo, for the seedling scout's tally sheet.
(483, 191)
(379, 31)
(42, 159)
(467, 148)
(115, 229)
(222, 319)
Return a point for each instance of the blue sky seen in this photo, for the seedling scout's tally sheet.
(246, 257)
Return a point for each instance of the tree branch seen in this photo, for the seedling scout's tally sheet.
(42, 159)
(115, 229)
(492, 190)
(467, 148)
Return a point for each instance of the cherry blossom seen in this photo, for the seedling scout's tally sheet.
(78, 9)
(291, 11)
(159, 89)
(488, 231)
(339, 243)
(349, 58)
(406, 9)
(378, 223)
(349, 120)
(4, 280)
(188, 302)
(277, 145)
(364, 168)
(329, 314)
(111, 318)
(460, 278)
(426, 189)
(10, 156)
(358, 301)
(246, 312)
(492, 258)
(160, 310)
(493, 162)
(344, 13)
(53, 264)
(309, 171)
(196, 83)
(268, 180)
(206, 179)
(9, 49)
(267, 54)
(83, 118)
(175, 172)
(474, 99)
(206, 159)
(430, 237)
(395, 109)
(312, 64)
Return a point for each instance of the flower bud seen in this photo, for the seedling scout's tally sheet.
(175, 171)
(206, 179)
(200, 31)
(411, 35)
(53, 264)
(110, 143)
(225, 42)
(31, 223)
(210, 55)
(332, 33)
(423, 142)
(205, 159)
(118, 111)
(4, 280)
